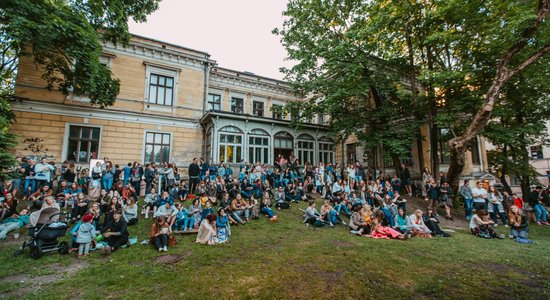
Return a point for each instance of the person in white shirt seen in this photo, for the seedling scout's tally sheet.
(43, 172)
(480, 196)
(169, 212)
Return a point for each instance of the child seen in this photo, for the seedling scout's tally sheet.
(85, 235)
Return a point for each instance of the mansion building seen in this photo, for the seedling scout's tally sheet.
(176, 104)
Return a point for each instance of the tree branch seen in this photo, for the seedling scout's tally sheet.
(533, 58)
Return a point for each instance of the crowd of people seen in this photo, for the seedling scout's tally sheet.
(105, 200)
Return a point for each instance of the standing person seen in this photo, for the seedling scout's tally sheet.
(466, 193)
(108, 175)
(194, 172)
(127, 171)
(70, 173)
(446, 199)
(85, 235)
(480, 196)
(426, 177)
(96, 175)
(496, 206)
(135, 176)
(43, 172)
(535, 201)
(406, 179)
(149, 177)
(30, 183)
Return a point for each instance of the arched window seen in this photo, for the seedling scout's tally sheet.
(258, 146)
(306, 148)
(326, 150)
(230, 144)
(283, 144)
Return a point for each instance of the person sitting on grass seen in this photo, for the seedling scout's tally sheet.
(222, 226)
(378, 231)
(8, 207)
(417, 225)
(37, 198)
(71, 193)
(482, 226)
(150, 200)
(402, 222)
(208, 234)
(169, 212)
(104, 201)
(225, 203)
(280, 199)
(265, 207)
(14, 222)
(196, 210)
(253, 207)
(357, 222)
(129, 211)
(341, 202)
(519, 227)
(207, 210)
(330, 215)
(115, 233)
(432, 222)
(159, 234)
(239, 208)
(312, 216)
(184, 219)
(80, 207)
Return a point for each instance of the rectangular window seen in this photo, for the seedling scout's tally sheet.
(237, 105)
(157, 147)
(161, 89)
(83, 143)
(536, 152)
(214, 102)
(321, 119)
(476, 160)
(258, 108)
(277, 111)
(326, 152)
(230, 147)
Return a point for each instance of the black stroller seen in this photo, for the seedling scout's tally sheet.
(44, 231)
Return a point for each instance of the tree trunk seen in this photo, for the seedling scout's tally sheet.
(396, 164)
(504, 171)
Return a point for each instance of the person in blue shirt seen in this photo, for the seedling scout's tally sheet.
(127, 170)
(13, 223)
(207, 210)
(184, 220)
(165, 198)
(222, 226)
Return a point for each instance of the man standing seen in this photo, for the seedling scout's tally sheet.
(535, 201)
(480, 196)
(43, 173)
(194, 172)
(406, 179)
(466, 193)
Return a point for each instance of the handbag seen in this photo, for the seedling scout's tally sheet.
(172, 241)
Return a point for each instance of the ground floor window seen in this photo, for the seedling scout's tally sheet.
(258, 146)
(157, 147)
(326, 150)
(230, 144)
(283, 144)
(306, 149)
(83, 143)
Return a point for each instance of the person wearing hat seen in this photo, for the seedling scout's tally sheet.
(159, 234)
(535, 201)
(85, 235)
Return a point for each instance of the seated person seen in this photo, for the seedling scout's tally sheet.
(128, 191)
(225, 203)
(184, 219)
(14, 222)
(265, 207)
(159, 234)
(240, 209)
(402, 222)
(519, 227)
(222, 226)
(169, 212)
(280, 199)
(115, 232)
(378, 231)
(164, 198)
(37, 198)
(292, 194)
(129, 211)
(207, 210)
(208, 234)
(8, 206)
(150, 200)
(60, 192)
(104, 201)
(71, 193)
(357, 223)
(80, 207)
(196, 210)
(212, 192)
(246, 189)
(253, 207)
(432, 222)
(418, 227)
(481, 225)
(329, 215)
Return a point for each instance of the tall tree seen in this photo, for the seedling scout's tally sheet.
(64, 39)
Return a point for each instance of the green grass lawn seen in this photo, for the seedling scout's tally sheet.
(289, 260)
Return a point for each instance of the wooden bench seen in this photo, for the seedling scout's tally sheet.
(192, 231)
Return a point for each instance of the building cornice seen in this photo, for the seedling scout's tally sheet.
(247, 117)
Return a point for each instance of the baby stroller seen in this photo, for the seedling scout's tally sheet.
(44, 231)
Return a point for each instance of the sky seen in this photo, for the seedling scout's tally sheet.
(236, 33)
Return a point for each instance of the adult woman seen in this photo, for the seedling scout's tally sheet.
(357, 223)
(196, 209)
(80, 207)
(402, 222)
(96, 175)
(431, 192)
(265, 207)
(115, 232)
(222, 225)
(432, 222)
(207, 231)
(170, 176)
(136, 172)
(383, 232)
(417, 225)
(519, 227)
(129, 211)
(466, 193)
(108, 175)
(150, 201)
(495, 204)
(481, 226)
(446, 198)
(426, 177)
(8, 206)
(330, 215)
(159, 234)
(104, 200)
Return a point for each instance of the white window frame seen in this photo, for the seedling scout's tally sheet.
(162, 71)
(64, 152)
(145, 143)
(322, 152)
(262, 147)
(303, 153)
(278, 103)
(238, 95)
(233, 144)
